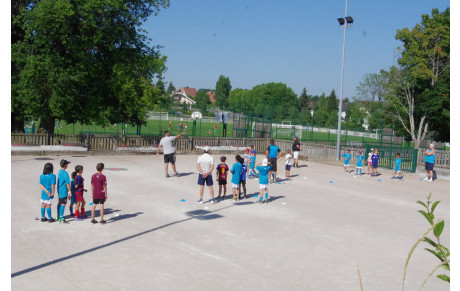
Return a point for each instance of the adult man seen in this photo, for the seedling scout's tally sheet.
(429, 163)
(168, 151)
(296, 150)
(205, 165)
(273, 154)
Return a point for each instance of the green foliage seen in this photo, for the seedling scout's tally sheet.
(437, 249)
(202, 99)
(372, 87)
(223, 88)
(85, 61)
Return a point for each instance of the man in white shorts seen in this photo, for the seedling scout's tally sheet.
(296, 151)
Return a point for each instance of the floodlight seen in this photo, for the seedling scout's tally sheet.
(341, 21)
(349, 19)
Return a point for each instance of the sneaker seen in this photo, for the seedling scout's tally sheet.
(51, 220)
(200, 201)
(213, 201)
(430, 180)
(103, 222)
(393, 177)
(400, 178)
(426, 179)
(176, 174)
(167, 176)
(78, 218)
(44, 219)
(84, 216)
(93, 221)
(62, 220)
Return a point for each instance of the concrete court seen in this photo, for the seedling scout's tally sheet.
(311, 236)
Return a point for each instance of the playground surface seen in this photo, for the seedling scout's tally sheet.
(318, 226)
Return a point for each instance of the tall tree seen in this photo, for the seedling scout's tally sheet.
(171, 88)
(223, 87)
(372, 87)
(85, 61)
(304, 100)
(202, 99)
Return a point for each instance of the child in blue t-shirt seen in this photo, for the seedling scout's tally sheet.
(244, 169)
(63, 190)
(264, 169)
(346, 162)
(73, 199)
(375, 162)
(48, 186)
(236, 175)
(359, 163)
(397, 173)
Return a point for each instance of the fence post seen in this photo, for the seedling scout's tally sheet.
(414, 160)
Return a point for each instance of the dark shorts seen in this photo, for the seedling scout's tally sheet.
(288, 167)
(222, 182)
(73, 199)
(273, 164)
(170, 158)
(63, 200)
(429, 166)
(375, 166)
(98, 201)
(208, 180)
(243, 182)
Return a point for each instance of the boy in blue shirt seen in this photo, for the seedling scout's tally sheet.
(359, 163)
(397, 172)
(274, 153)
(375, 162)
(48, 186)
(63, 190)
(244, 170)
(236, 175)
(346, 162)
(264, 170)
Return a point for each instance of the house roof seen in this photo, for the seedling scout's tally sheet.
(189, 91)
(211, 96)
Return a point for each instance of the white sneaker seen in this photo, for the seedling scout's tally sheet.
(426, 179)
(430, 180)
(213, 201)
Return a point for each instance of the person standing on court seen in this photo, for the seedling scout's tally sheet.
(296, 151)
(168, 152)
(205, 165)
(274, 153)
(429, 163)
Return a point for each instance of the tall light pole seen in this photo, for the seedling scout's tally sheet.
(344, 23)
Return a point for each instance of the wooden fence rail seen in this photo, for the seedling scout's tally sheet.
(111, 142)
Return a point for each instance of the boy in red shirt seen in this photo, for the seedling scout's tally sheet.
(99, 189)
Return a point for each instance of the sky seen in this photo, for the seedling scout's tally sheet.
(298, 43)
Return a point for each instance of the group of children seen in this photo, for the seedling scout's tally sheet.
(71, 189)
(372, 163)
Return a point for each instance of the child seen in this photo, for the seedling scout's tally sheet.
(79, 189)
(369, 161)
(263, 180)
(63, 189)
(397, 172)
(48, 186)
(252, 163)
(247, 157)
(73, 199)
(288, 158)
(346, 162)
(244, 169)
(222, 171)
(359, 163)
(99, 189)
(375, 162)
(236, 171)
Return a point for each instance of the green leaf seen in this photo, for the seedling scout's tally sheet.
(427, 216)
(423, 204)
(444, 277)
(446, 267)
(438, 228)
(438, 255)
(430, 241)
(434, 206)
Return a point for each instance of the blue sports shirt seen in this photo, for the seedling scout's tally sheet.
(263, 174)
(375, 159)
(244, 169)
(236, 171)
(47, 181)
(430, 159)
(347, 158)
(273, 151)
(63, 180)
(359, 159)
(398, 164)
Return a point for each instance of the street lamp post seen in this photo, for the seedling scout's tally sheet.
(344, 23)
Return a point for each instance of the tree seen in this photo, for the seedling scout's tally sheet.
(419, 91)
(171, 88)
(85, 61)
(202, 99)
(372, 87)
(304, 100)
(223, 88)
